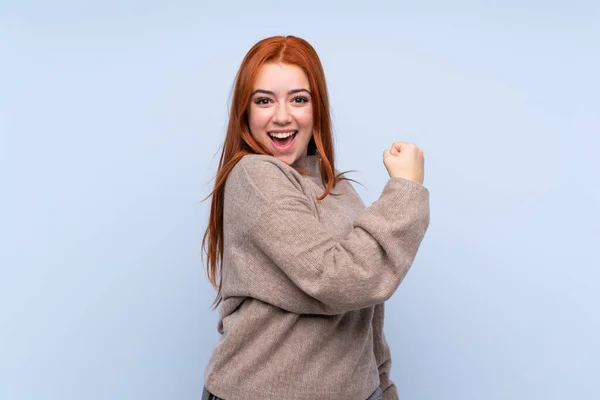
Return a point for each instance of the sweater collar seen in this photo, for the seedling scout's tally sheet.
(310, 163)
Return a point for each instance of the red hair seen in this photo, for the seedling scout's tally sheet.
(239, 141)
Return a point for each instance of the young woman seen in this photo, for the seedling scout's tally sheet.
(302, 267)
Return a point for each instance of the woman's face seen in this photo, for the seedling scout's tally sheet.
(280, 113)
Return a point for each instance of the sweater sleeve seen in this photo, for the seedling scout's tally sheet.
(279, 224)
(382, 355)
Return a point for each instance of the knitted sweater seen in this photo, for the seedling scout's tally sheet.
(304, 283)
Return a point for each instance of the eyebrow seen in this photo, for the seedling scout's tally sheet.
(294, 91)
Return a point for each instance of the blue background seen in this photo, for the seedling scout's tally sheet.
(111, 118)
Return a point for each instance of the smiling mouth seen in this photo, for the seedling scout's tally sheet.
(283, 140)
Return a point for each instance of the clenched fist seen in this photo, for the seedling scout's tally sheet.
(405, 160)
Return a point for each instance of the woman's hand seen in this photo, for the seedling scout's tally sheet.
(405, 160)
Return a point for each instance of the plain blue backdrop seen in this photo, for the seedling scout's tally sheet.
(111, 117)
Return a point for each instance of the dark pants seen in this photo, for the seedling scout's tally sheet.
(206, 395)
(376, 395)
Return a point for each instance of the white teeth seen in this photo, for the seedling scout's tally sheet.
(281, 135)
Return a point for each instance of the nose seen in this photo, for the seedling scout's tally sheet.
(282, 115)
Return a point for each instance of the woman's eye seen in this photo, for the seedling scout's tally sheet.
(301, 99)
(262, 101)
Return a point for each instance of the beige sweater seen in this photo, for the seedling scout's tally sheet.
(304, 283)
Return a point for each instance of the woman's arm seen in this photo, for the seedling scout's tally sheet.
(285, 249)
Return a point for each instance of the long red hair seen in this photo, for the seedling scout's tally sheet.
(239, 141)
